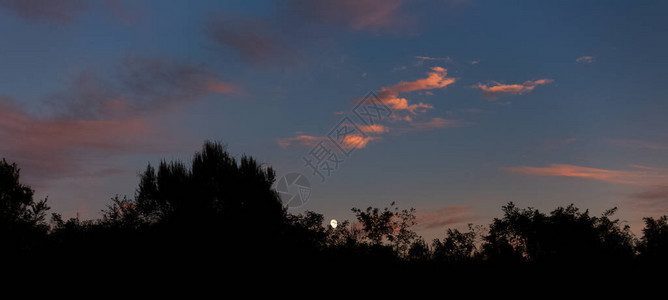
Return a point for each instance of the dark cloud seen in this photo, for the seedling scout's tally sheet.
(363, 15)
(652, 200)
(254, 40)
(140, 84)
(59, 11)
(100, 117)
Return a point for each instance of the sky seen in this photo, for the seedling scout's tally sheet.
(452, 107)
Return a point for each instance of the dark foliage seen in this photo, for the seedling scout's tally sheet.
(221, 213)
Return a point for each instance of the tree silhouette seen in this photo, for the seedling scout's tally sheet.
(566, 236)
(215, 191)
(22, 219)
(376, 224)
(653, 246)
(390, 225)
(456, 247)
(219, 210)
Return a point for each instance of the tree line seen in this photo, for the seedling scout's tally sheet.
(218, 208)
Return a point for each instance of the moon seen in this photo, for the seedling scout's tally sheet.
(333, 223)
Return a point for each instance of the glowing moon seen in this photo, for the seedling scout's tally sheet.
(333, 223)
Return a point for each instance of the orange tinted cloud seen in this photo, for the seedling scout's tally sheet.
(304, 140)
(374, 128)
(517, 89)
(436, 79)
(637, 175)
(350, 141)
(356, 141)
(402, 104)
(585, 59)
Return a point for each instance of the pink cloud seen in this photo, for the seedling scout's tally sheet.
(446, 216)
(637, 175)
(492, 91)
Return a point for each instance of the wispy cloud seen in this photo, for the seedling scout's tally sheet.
(424, 58)
(350, 141)
(638, 144)
(495, 89)
(302, 139)
(446, 216)
(436, 123)
(585, 59)
(636, 175)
